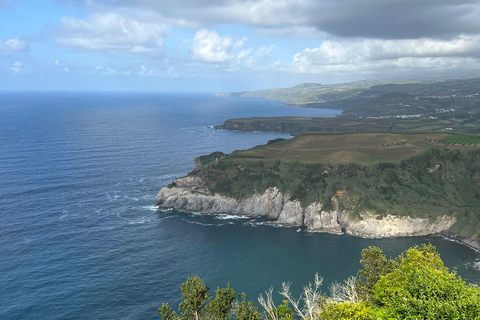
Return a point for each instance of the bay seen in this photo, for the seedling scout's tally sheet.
(80, 238)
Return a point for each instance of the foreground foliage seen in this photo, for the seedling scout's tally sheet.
(415, 285)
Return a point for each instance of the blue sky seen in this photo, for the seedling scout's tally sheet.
(232, 45)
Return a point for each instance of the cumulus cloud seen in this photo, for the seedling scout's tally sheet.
(224, 51)
(208, 46)
(18, 68)
(393, 19)
(371, 55)
(113, 32)
(351, 36)
(265, 52)
(13, 45)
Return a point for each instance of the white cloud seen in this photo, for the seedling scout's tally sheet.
(394, 19)
(18, 68)
(225, 52)
(208, 46)
(13, 45)
(99, 70)
(140, 33)
(153, 72)
(147, 72)
(373, 55)
(265, 52)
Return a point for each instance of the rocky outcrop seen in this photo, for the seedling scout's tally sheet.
(369, 226)
(188, 194)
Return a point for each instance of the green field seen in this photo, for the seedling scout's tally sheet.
(363, 148)
(460, 122)
(462, 139)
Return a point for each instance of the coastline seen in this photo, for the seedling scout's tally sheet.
(190, 196)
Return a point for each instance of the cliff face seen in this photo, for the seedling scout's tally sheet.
(190, 195)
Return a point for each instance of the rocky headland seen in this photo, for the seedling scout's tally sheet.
(433, 189)
(190, 195)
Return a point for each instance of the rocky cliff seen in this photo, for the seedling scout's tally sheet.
(190, 195)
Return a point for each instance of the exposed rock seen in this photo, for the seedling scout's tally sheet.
(189, 195)
(369, 226)
(472, 243)
(188, 182)
(197, 164)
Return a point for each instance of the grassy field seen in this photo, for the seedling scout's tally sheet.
(363, 148)
(460, 122)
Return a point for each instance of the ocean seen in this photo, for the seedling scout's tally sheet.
(80, 237)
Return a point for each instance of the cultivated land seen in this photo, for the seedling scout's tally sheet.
(451, 105)
(461, 122)
(363, 148)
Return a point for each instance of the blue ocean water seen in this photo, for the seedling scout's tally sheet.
(80, 238)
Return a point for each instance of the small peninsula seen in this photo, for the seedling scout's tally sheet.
(415, 106)
(365, 184)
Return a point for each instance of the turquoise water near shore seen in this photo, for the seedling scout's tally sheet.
(81, 239)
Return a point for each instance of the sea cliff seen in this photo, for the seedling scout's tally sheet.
(370, 185)
(190, 195)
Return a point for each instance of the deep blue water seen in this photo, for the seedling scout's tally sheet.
(80, 239)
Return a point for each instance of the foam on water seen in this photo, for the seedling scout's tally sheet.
(230, 217)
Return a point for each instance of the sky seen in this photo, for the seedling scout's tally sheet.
(232, 45)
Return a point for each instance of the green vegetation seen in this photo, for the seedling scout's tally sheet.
(298, 125)
(370, 98)
(452, 105)
(206, 159)
(400, 174)
(197, 304)
(460, 122)
(461, 139)
(414, 285)
(365, 147)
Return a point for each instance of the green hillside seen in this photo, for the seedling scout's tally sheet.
(424, 175)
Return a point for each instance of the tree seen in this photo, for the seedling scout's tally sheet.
(197, 304)
(421, 287)
(194, 295)
(415, 285)
(246, 310)
(220, 308)
(375, 265)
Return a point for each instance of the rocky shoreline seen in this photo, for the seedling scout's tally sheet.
(188, 194)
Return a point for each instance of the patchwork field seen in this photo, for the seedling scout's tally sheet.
(365, 148)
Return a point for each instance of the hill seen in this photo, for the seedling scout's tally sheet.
(366, 184)
(372, 98)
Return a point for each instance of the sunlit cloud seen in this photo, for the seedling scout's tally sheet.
(113, 33)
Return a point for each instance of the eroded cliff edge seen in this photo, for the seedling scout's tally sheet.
(191, 195)
(306, 182)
